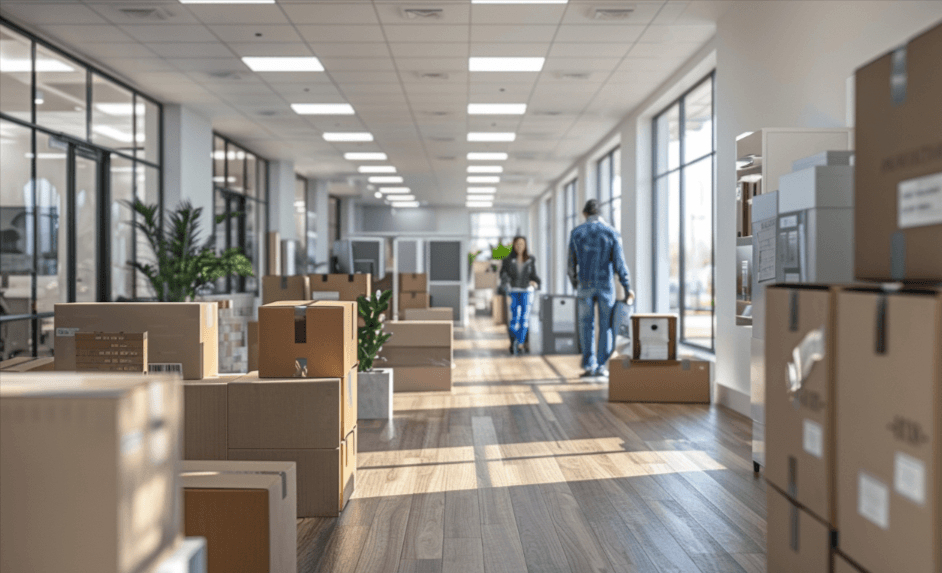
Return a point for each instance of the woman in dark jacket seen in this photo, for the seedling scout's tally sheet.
(518, 277)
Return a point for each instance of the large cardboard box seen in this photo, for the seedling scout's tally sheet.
(439, 313)
(252, 343)
(422, 379)
(350, 287)
(88, 467)
(280, 287)
(683, 381)
(654, 336)
(291, 413)
(842, 565)
(898, 183)
(799, 395)
(413, 282)
(797, 541)
(889, 428)
(247, 511)
(28, 364)
(395, 356)
(419, 343)
(310, 339)
(414, 300)
(206, 417)
(182, 337)
(326, 477)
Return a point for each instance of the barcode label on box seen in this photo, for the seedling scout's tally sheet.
(172, 368)
(813, 438)
(66, 331)
(873, 500)
(909, 478)
(919, 201)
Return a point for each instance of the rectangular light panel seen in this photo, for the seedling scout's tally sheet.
(492, 136)
(519, 1)
(485, 169)
(486, 156)
(503, 64)
(283, 64)
(484, 179)
(322, 108)
(227, 1)
(348, 136)
(411, 204)
(376, 169)
(398, 198)
(364, 156)
(481, 190)
(394, 190)
(479, 204)
(497, 108)
(385, 179)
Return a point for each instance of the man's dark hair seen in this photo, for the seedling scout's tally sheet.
(591, 208)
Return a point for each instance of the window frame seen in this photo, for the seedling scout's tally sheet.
(570, 220)
(607, 205)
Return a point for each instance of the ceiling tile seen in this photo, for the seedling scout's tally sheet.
(236, 14)
(209, 65)
(528, 50)
(331, 13)
(170, 33)
(364, 77)
(643, 13)
(117, 50)
(433, 64)
(191, 50)
(342, 33)
(585, 50)
(140, 64)
(39, 14)
(358, 64)
(437, 33)
(429, 50)
(452, 13)
(624, 33)
(168, 13)
(516, 14)
(579, 65)
(348, 50)
(684, 34)
(250, 33)
(78, 35)
(511, 34)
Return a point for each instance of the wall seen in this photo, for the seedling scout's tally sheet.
(383, 220)
(188, 163)
(786, 64)
(281, 199)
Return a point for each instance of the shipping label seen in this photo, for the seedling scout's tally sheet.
(165, 368)
(66, 331)
(909, 478)
(919, 201)
(813, 438)
(873, 500)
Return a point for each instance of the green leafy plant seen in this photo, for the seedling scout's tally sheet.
(181, 263)
(500, 251)
(370, 336)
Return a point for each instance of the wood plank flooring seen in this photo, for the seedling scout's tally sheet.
(524, 467)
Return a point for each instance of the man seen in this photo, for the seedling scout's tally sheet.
(595, 257)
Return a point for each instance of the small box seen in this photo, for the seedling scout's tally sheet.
(277, 287)
(797, 541)
(91, 483)
(419, 343)
(252, 343)
(443, 313)
(684, 381)
(28, 364)
(310, 339)
(657, 332)
(413, 282)
(111, 352)
(422, 379)
(246, 510)
(414, 300)
(485, 280)
(206, 417)
(349, 287)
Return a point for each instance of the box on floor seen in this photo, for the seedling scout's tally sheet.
(91, 485)
(205, 417)
(246, 510)
(438, 313)
(409, 300)
(421, 353)
(281, 287)
(654, 336)
(28, 364)
(413, 282)
(680, 381)
(797, 541)
(317, 339)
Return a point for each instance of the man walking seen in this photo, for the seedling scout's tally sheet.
(595, 256)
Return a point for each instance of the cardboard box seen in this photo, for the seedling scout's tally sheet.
(310, 339)
(111, 352)
(394, 356)
(684, 381)
(422, 379)
(420, 333)
(252, 336)
(350, 287)
(273, 249)
(797, 542)
(898, 183)
(414, 300)
(654, 336)
(326, 477)
(28, 364)
(413, 282)
(799, 411)
(206, 417)
(276, 288)
(419, 343)
(499, 309)
(889, 442)
(247, 511)
(91, 484)
(182, 337)
(843, 565)
(291, 413)
(441, 313)
(485, 280)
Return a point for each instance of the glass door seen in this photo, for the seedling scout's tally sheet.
(85, 197)
(231, 232)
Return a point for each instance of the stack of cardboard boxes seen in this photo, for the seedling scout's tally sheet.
(111, 352)
(854, 372)
(413, 291)
(420, 352)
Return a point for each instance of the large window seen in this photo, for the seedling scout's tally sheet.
(76, 146)
(684, 165)
(488, 229)
(608, 176)
(570, 221)
(546, 239)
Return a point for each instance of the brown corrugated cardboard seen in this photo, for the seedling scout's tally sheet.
(646, 326)
(205, 417)
(800, 411)
(414, 300)
(414, 333)
(326, 477)
(422, 379)
(350, 287)
(889, 415)
(499, 309)
(277, 287)
(90, 485)
(180, 335)
(413, 282)
(440, 313)
(898, 182)
(392, 356)
(321, 333)
(28, 364)
(247, 512)
(111, 351)
(273, 261)
(485, 280)
(686, 381)
(797, 542)
(842, 565)
(253, 346)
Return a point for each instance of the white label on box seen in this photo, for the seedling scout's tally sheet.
(161, 368)
(813, 438)
(654, 352)
(873, 500)
(909, 478)
(131, 442)
(919, 201)
(66, 331)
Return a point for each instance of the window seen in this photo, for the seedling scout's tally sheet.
(300, 221)
(75, 147)
(546, 238)
(570, 221)
(608, 176)
(684, 166)
(489, 228)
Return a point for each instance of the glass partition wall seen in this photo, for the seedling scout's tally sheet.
(75, 147)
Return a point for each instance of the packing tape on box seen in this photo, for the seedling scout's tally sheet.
(898, 77)
(284, 282)
(793, 311)
(898, 256)
(809, 351)
(283, 475)
(880, 334)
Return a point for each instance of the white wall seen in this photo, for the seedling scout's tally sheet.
(281, 199)
(188, 162)
(384, 220)
(317, 190)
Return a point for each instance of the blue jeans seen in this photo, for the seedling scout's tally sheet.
(587, 298)
(520, 302)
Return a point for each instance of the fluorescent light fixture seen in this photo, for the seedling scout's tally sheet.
(479, 204)
(491, 136)
(322, 108)
(364, 156)
(484, 179)
(394, 190)
(376, 169)
(117, 134)
(398, 198)
(120, 109)
(283, 64)
(348, 136)
(481, 190)
(497, 108)
(227, 1)
(485, 169)
(45, 156)
(42, 65)
(519, 1)
(410, 204)
(485, 156)
(503, 64)
(385, 179)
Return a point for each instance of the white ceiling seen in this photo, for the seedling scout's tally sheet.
(375, 58)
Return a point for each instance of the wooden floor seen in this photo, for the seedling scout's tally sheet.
(524, 467)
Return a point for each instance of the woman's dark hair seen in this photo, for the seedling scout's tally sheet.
(513, 248)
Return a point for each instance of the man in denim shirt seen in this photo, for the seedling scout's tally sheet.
(595, 256)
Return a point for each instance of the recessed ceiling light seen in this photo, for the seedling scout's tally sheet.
(397, 198)
(322, 108)
(481, 190)
(502, 64)
(484, 204)
(227, 1)
(410, 204)
(483, 179)
(485, 169)
(364, 156)
(376, 169)
(385, 179)
(348, 136)
(283, 64)
(486, 156)
(491, 136)
(378, 195)
(394, 190)
(497, 108)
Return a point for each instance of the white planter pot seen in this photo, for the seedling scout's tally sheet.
(375, 394)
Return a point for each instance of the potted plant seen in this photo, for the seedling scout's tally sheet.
(374, 385)
(181, 263)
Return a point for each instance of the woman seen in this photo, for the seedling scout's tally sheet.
(518, 276)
